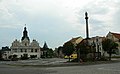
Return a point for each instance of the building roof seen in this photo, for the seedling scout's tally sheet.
(45, 46)
(83, 41)
(25, 34)
(94, 38)
(117, 35)
(74, 39)
(6, 48)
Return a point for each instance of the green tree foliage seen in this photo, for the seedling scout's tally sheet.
(50, 53)
(47, 52)
(68, 49)
(83, 49)
(1, 55)
(109, 46)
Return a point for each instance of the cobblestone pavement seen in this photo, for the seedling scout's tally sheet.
(36, 62)
(6, 69)
(112, 68)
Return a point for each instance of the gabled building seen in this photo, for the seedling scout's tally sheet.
(97, 43)
(46, 51)
(5, 53)
(25, 48)
(113, 36)
(91, 48)
(75, 40)
(58, 52)
(116, 38)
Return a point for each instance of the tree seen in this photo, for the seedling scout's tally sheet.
(50, 53)
(82, 50)
(1, 55)
(68, 49)
(109, 46)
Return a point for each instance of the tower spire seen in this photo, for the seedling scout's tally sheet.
(25, 33)
(87, 30)
(45, 46)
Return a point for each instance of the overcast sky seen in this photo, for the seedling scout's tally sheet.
(56, 21)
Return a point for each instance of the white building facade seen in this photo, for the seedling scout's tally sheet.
(25, 48)
(97, 43)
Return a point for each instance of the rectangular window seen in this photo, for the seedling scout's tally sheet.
(25, 50)
(21, 56)
(15, 50)
(35, 50)
(31, 50)
(36, 56)
(21, 50)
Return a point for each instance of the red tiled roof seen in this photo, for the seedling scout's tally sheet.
(116, 35)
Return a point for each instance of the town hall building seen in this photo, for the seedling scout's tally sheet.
(25, 48)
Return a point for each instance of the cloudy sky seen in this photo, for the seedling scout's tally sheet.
(56, 21)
